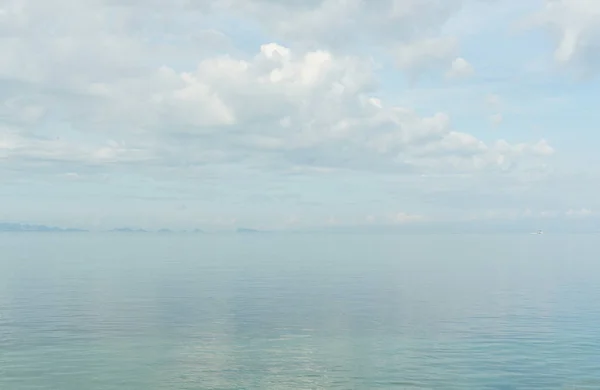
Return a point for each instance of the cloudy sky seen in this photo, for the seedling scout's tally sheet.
(298, 113)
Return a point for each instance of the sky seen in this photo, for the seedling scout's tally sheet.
(298, 114)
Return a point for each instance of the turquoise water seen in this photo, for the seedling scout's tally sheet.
(86, 311)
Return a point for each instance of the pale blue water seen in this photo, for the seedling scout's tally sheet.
(87, 311)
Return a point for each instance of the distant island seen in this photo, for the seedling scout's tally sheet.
(128, 230)
(161, 230)
(20, 227)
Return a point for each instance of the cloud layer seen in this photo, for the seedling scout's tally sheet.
(173, 90)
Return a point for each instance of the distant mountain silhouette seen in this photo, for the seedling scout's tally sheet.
(128, 230)
(20, 227)
(161, 230)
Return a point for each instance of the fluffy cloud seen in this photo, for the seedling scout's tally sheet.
(575, 27)
(461, 68)
(302, 108)
(44, 151)
(410, 30)
(334, 23)
(145, 86)
(126, 97)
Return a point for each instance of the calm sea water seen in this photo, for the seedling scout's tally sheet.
(85, 311)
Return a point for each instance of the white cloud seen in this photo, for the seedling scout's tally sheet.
(417, 56)
(402, 218)
(521, 214)
(493, 101)
(335, 23)
(460, 68)
(298, 88)
(496, 119)
(15, 147)
(575, 27)
(312, 107)
(72, 176)
(494, 104)
(276, 88)
(542, 148)
(291, 220)
(579, 213)
(410, 28)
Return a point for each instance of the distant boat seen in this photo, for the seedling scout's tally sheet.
(538, 232)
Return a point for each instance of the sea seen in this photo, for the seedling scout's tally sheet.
(91, 311)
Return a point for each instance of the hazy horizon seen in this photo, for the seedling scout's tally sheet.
(426, 227)
(368, 179)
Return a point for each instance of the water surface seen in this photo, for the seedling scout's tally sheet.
(146, 311)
